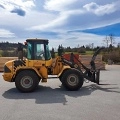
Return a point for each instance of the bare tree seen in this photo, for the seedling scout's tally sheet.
(112, 39)
(109, 40)
(106, 41)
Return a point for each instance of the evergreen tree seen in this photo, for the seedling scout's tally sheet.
(60, 50)
(53, 53)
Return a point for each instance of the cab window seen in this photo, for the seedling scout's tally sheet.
(48, 55)
(29, 51)
(39, 51)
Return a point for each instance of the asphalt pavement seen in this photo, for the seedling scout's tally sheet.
(52, 102)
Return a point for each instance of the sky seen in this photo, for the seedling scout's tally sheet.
(67, 22)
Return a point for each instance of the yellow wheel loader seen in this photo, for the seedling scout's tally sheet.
(27, 73)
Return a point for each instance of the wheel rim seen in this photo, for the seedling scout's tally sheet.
(73, 80)
(26, 82)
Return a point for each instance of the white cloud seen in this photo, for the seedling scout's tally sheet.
(30, 19)
(50, 24)
(59, 21)
(59, 16)
(58, 5)
(6, 34)
(78, 18)
(80, 38)
(100, 9)
(91, 6)
(10, 5)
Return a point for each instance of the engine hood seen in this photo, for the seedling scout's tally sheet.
(13, 64)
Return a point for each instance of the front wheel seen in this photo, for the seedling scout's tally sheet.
(26, 81)
(72, 80)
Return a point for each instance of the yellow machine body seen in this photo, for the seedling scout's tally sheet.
(41, 67)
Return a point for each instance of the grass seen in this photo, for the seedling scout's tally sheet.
(86, 53)
(89, 52)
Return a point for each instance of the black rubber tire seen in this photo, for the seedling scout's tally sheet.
(29, 76)
(72, 80)
(60, 78)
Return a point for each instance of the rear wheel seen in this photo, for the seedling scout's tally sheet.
(26, 81)
(72, 80)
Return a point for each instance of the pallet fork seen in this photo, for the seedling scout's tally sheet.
(91, 74)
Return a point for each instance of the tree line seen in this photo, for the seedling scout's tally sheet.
(110, 52)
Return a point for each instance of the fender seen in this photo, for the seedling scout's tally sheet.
(64, 68)
(26, 68)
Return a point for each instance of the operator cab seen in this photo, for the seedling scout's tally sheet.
(38, 49)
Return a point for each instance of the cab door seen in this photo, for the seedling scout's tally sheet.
(39, 55)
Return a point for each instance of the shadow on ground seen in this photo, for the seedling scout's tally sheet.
(44, 95)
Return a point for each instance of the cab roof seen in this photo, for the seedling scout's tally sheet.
(37, 40)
